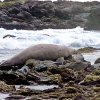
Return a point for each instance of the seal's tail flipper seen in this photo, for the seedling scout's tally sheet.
(4, 65)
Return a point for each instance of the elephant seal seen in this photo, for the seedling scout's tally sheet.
(38, 52)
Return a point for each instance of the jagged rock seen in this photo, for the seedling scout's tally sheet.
(32, 62)
(8, 35)
(48, 14)
(15, 97)
(97, 65)
(60, 60)
(93, 20)
(78, 57)
(40, 67)
(96, 88)
(66, 74)
(14, 77)
(71, 89)
(80, 97)
(6, 88)
(79, 65)
(13, 10)
(92, 79)
(24, 15)
(97, 60)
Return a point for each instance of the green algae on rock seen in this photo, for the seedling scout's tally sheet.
(6, 88)
(85, 50)
(7, 4)
(91, 79)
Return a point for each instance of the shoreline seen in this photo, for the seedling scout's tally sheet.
(64, 78)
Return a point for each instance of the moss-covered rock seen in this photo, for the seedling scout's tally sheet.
(6, 4)
(96, 72)
(91, 80)
(56, 78)
(32, 62)
(96, 97)
(93, 20)
(6, 88)
(96, 89)
(71, 89)
(85, 50)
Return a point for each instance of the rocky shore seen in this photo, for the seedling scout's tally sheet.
(73, 78)
(36, 15)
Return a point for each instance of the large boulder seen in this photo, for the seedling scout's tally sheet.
(97, 60)
(6, 88)
(92, 79)
(93, 20)
(79, 65)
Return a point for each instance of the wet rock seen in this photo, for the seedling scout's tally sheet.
(14, 10)
(43, 65)
(96, 97)
(60, 60)
(66, 74)
(8, 35)
(25, 91)
(93, 20)
(62, 13)
(45, 9)
(96, 72)
(91, 80)
(40, 67)
(55, 79)
(79, 76)
(80, 97)
(78, 65)
(97, 65)
(25, 16)
(6, 88)
(15, 97)
(4, 17)
(78, 57)
(34, 76)
(18, 25)
(47, 14)
(50, 79)
(96, 88)
(85, 50)
(71, 89)
(97, 60)
(32, 62)
(14, 77)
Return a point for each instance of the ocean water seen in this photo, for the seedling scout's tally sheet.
(75, 38)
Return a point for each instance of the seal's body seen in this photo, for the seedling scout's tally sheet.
(39, 52)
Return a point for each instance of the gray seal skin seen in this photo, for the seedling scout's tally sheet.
(39, 52)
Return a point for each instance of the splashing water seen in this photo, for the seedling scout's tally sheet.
(75, 38)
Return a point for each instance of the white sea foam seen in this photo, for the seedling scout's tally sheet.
(76, 38)
(3, 96)
(92, 56)
(39, 87)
